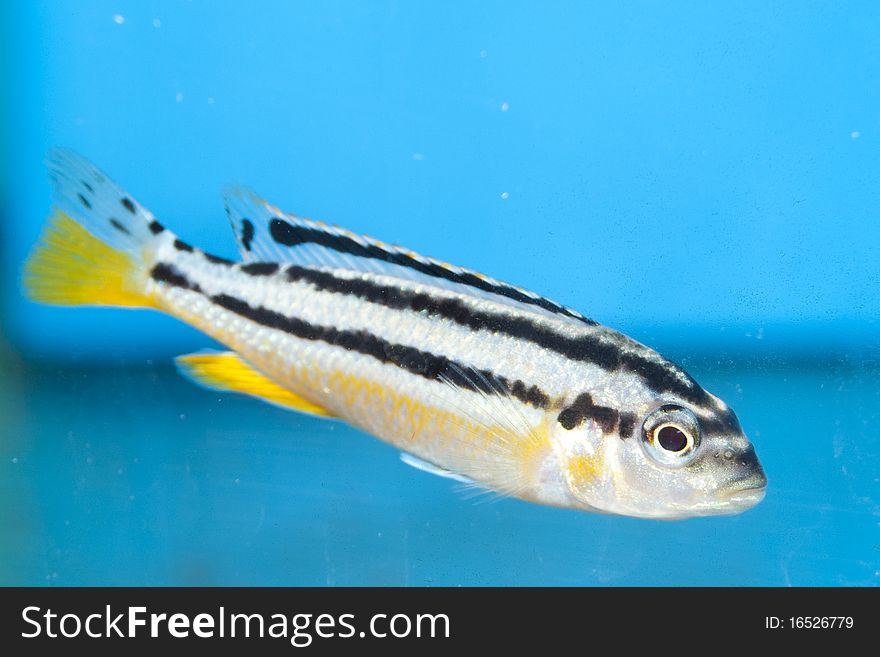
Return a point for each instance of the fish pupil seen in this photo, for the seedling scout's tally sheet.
(672, 439)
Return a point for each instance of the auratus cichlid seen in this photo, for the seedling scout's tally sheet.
(470, 377)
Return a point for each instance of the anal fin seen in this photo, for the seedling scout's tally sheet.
(228, 372)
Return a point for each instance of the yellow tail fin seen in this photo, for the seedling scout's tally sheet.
(228, 372)
(71, 267)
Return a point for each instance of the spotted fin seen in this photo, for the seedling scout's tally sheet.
(430, 468)
(83, 192)
(265, 233)
(94, 248)
(226, 371)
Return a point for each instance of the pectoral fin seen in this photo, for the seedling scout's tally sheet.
(424, 466)
(228, 372)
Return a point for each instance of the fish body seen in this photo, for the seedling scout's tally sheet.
(470, 377)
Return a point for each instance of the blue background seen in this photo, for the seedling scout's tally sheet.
(704, 177)
(665, 163)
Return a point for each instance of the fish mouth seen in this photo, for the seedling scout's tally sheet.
(745, 493)
(744, 498)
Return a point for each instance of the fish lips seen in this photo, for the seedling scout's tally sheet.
(745, 493)
(749, 489)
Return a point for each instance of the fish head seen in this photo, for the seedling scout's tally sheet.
(673, 459)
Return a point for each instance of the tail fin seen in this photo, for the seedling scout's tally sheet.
(95, 247)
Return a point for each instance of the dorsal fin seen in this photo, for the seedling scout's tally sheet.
(265, 233)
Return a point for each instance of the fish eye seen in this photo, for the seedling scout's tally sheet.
(671, 435)
(672, 438)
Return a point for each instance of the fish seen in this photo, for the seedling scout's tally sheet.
(471, 378)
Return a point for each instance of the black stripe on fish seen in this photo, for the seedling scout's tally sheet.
(171, 275)
(423, 363)
(664, 376)
(722, 422)
(180, 245)
(660, 377)
(627, 424)
(528, 395)
(260, 268)
(583, 408)
(287, 234)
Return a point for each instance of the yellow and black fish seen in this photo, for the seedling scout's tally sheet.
(470, 377)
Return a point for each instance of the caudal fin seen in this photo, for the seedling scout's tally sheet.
(96, 245)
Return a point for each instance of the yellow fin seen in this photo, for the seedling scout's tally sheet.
(71, 267)
(227, 371)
